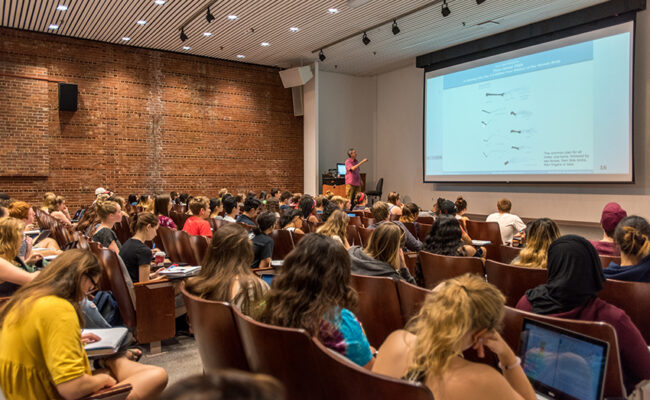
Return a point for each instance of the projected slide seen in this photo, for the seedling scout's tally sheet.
(558, 114)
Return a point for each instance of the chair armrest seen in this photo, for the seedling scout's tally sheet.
(154, 311)
(112, 393)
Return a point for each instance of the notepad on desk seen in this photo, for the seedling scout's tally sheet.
(180, 272)
(110, 341)
(481, 242)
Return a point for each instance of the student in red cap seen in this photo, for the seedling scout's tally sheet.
(611, 216)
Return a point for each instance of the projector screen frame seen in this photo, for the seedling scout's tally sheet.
(521, 44)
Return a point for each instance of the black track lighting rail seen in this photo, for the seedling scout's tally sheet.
(203, 10)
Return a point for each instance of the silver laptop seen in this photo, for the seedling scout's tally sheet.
(562, 364)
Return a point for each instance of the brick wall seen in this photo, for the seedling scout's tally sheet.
(147, 121)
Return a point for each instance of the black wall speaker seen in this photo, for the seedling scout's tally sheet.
(68, 96)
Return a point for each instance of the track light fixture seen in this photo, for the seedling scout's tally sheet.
(208, 16)
(365, 39)
(183, 35)
(321, 55)
(395, 27)
(480, 1)
(445, 9)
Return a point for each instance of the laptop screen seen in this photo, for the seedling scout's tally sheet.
(562, 364)
(340, 168)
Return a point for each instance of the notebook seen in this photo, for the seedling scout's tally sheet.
(481, 242)
(111, 340)
(562, 364)
(174, 271)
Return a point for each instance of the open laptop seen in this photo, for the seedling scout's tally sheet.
(562, 364)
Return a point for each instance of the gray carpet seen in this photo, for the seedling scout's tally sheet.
(179, 357)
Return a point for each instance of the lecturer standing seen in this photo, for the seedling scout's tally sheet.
(352, 174)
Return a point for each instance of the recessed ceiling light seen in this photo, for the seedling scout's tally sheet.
(333, 10)
(159, 2)
(62, 7)
(53, 27)
(126, 39)
(207, 34)
(265, 44)
(187, 48)
(241, 56)
(294, 29)
(232, 17)
(142, 22)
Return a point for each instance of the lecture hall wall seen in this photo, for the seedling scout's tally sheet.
(148, 121)
(398, 156)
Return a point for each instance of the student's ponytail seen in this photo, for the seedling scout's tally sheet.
(633, 236)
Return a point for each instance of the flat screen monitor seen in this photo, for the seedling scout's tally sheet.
(340, 168)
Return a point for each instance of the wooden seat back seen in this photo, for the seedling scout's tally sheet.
(356, 220)
(411, 298)
(631, 297)
(117, 281)
(606, 260)
(423, 231)
(513, 281)
(410, 226)
(378, 309)
(217, 337)
(166, 235)
(424, 220)
(352, 234)
(122, 230)
(364, 235)
(367, 221)
(513, 323)
(506, 254)
(482, 230)
(199, 245)
(282, 243)
(437, 268)
(184, 248)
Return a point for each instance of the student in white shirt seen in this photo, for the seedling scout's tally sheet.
(509, 224)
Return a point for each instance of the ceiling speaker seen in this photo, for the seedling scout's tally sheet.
(296, 76)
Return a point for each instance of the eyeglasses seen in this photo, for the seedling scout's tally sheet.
(92, 281)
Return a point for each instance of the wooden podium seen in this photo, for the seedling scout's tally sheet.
(339, 190)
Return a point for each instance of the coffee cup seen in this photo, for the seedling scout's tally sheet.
(159, 257)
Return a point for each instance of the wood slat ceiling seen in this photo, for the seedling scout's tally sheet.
(269, 21)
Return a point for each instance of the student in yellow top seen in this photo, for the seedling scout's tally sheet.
(41, 345)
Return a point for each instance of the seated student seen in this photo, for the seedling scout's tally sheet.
(262, 242)
(251, 205)
(329, 209)
(509, 224)
(383, 256)
(13, 271)
(461, 312)
(133, 199)
(273, 205)
(336, 227)
(575, 277)
(312, 292)
(48, 202)
(60, 211)
(307, 207)
(632, 236)
(295, 200)
(539, 236)
(216, 208)
(226, 274)
(360, 202)
(24, 212)
(145, 203)
(612, 214)
(109, 213)
(226, 384)
(380, 214)
(197, 224)
(134, 252)
(231, 208)
(446, 238)
(410, 212)
(222, 193)
(461, 209)
(292, 221)
(275, 193)
(162, 205)
(394, 204)
(41, 345)
(183, 199)
(341, 202)
(264, 195)
(120, 200)
(285, 199)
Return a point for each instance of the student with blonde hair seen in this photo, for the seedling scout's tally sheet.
(24, 212)
(383, 256)
(394, 204)
(60, 211)
(539, 236)
(462, 312)
(336, 227)
(48, 202)
(632, 236)
(13, 271)
(109, 213)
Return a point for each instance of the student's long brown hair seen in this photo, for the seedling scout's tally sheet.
(539, 236)
(385, 242)
(228, 259)
(61, 278)
(312, 283)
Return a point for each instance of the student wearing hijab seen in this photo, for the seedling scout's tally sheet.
(575, 277)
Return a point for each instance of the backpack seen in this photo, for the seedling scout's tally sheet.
(107, 306)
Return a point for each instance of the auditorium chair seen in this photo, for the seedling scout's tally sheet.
(217, 338)
(282, 243)
(364, 235)
(606, 260)
(631, 297)
(367, 221)
(513, 281)
(378, 309)
(166, 235)
(376, 194)
(410, 226)
(437, 268)
(356, 220)
(352, 234)
(423, 231)
(424, 220)
(513, 323)
(184, 248)
(296, 237)
(411, 259)
(367, 214)
(147, 308)
(358, 213)
(309, 370)
(118, 392)
(480, 230)
(199, 245)
(178, 218)
(506, 254)
(411, 298)
(122, 230)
